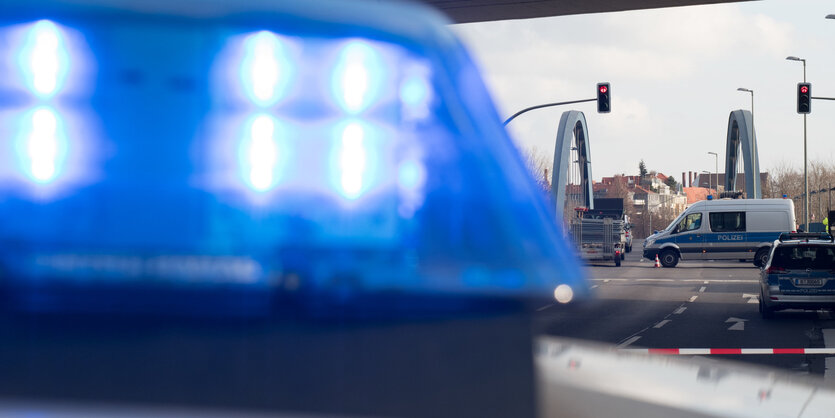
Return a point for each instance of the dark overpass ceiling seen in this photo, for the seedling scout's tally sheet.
(465, 11)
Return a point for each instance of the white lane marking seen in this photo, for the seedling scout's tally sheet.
(606, 280)
(702, 289)
(692, 298)
(680, 310)
(706, 281)
(735, 319)
(595, 286)
(629, 341)
(752, 297)
(661, 324)
(829, 342)
(546, 307)
(739, 324)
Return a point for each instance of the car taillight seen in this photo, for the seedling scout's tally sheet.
(775, 270)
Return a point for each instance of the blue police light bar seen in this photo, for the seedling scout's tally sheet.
(225, 162)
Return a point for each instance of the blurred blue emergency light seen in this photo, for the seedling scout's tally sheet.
(324, 151)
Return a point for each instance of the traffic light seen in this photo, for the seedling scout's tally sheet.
(604, 104)
(804, 97)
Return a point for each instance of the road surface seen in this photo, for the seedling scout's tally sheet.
(701, 304)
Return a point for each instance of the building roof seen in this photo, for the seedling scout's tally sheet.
(696, 194)
(640, 190)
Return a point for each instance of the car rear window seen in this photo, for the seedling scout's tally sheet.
(804, 256)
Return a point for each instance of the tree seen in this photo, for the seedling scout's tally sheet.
(784, 179)
(538, 164)
(642, 169)
(671, 181)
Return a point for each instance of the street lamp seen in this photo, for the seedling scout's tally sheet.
(716, 156)
(805, 171)
(752, 100)
(709, 179)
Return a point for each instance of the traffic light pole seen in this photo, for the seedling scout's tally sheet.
(805, 166)
(805, 181)
(528, 109)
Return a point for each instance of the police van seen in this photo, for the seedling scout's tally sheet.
(726, 229)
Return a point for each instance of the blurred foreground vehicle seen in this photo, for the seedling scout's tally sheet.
(181, 181)
(312, 150)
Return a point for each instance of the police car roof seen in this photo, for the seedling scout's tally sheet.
(804, 237)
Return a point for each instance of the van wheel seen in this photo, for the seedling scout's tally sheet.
(669, 258)
(761, 258)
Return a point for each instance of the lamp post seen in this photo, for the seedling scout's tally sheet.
(716, 156)
(752, 101)
(754, 139)
(709, 179)
(805, 172)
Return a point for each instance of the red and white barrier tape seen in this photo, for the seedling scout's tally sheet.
(714, 351)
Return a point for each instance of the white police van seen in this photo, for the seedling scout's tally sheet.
(726, 229)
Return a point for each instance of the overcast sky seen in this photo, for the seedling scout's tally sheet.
(674, 75)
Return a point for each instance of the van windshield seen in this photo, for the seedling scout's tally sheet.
(674, 222)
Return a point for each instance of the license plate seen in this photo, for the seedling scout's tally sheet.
(808, 282)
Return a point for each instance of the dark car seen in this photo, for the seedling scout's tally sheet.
(800, 274)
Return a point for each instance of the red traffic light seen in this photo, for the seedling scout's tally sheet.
(803, 89)
(603, 103)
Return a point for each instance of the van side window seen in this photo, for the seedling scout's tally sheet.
(691, 222)
(727, 221)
